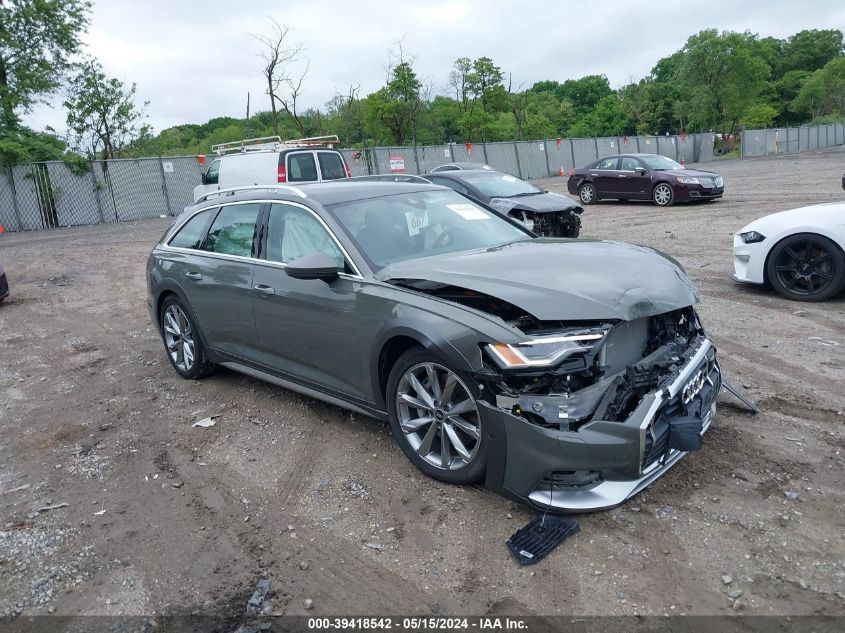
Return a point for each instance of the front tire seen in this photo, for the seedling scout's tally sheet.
(663, 195)
(182, 340)
(587, 193)
(435, 419)
(806, 267)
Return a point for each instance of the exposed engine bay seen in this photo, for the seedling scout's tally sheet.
(566, 223)
(570, 373)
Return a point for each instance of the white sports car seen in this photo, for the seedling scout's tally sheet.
(800, 253)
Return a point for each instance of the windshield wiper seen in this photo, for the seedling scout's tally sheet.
(526, 193)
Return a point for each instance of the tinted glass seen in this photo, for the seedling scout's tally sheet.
(661, 162)
(607, 163)
(331, 166)
(213, 173)
(411, 225)
(447, 182)
(233, 230)
(293, 232)
(630, 164)
(192, 234)
(495, 184)
(302, 168)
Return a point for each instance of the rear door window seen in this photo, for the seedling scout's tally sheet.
(607, 163)
(331, 165)
(302, 167)
(192, 233)
(233, 230)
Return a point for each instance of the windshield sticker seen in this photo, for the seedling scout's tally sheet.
(508, 178)
(416, 222)
(469, 211)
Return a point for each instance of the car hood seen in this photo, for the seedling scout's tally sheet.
(829, 215)
(693, 173)
(541, 203)
(559, 279)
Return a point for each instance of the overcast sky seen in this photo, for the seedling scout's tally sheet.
(194, 60)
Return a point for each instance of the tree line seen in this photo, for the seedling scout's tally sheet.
(718, 81)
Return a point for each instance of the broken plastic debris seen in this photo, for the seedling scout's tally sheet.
(18, 489)
(102, 511)
(532, 543)
(206, 423)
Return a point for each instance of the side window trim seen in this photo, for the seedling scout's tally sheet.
(208, 222)
(265, 226)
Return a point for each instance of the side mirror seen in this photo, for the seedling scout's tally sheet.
(641, 171)
(204, 178)
(316, 266)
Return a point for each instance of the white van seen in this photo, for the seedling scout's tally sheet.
(269, 160)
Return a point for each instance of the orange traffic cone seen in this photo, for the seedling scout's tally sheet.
(562, 171)
(683, 162)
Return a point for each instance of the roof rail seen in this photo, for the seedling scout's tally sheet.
(390, 178)
(272, 143)
(234, 190)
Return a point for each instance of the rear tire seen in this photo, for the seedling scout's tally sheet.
(663, 195)
(587, 193)
(435, 419)
(183, 341)
(806, 267)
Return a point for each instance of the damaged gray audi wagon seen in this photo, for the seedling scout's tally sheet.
(567, 374)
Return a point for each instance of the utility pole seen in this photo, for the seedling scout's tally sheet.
(246, 130)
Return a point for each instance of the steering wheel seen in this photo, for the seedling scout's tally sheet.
(448, 235)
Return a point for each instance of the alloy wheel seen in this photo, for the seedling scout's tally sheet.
(179, 337)
(587, 194)
(805, 269)
(662, 195)
(438, 415)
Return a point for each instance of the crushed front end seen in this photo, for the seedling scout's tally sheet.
(563, 223)
(581, 416)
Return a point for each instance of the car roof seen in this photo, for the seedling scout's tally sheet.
(324, 193)
(632, 155)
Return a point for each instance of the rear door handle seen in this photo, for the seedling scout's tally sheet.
(193, 276)
(264, 291)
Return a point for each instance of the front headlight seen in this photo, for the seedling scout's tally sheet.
(689, 180)
(541, 351)
(720, 182)
(752, 237)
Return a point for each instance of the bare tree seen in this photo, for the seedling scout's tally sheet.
(279, 54)
(293, 92)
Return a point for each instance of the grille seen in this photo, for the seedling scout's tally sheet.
(706, 182)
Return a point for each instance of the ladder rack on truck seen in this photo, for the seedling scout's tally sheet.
(272, 143)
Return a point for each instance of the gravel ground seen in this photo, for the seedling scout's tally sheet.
(112, 503)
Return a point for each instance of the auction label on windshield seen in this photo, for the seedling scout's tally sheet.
(469, 211)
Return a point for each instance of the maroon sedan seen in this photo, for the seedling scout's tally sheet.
(643, 177)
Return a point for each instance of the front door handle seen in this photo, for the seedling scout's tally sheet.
(193, 276)
(264, 291)
(622, 176)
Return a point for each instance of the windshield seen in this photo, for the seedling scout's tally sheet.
(659, 163)
(419, 224)
(495, 184)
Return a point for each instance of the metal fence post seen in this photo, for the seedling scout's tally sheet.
(417, 159)
(164, 186)
(15, 208)
(518, 163)
(96, 192)
(596, 145)
(484, 151)
(451, 152)
(546, 152)
(638, 143)
(572, 153)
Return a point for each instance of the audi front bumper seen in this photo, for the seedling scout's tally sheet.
(603, 463)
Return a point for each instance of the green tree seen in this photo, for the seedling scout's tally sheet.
(811, 49)
(721, 76)
(36, 39)
(823, 93)
(102, 117)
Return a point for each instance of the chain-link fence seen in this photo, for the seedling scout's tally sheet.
(791, 139)
(51, 194)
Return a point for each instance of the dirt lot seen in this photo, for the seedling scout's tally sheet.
(164, 517)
